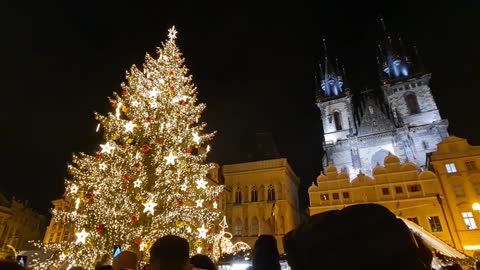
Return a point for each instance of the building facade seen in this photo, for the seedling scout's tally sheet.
(58, 232)
(263, 199)
(400, 187)
(457, 165)
(19, 224)
(400, 118)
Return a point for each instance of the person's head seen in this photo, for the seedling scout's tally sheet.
(359, 236)
(290, 250)
(170, 253)
(201, 261)
(7, 265)
(126, 260)
(104, 267)
(76, 268)
(265, 253)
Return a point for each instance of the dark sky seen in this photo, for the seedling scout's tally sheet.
(253, 64)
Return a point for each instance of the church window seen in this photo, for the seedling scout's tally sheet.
(346, 195)
(385, 191)
(469, 220)
(414, 220)
(412, 103)
(398, 190)
(414, 188)
(425, 145)
(324, 197)
(238, 195)
(435, 224)
(335, 196)
(271, 193)
(254, 195)
(451, 168)
(471, 166)
(338, 120)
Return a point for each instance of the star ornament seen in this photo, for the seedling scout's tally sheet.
(170, 159)
(149, 207)
(215, 205)
(199, 203)
(201, 184)
(129, 126)
(137, 183)
(183, 187)
(153, 93)
(107, 148)
(74, 189)
(81, 236)
(102, 166)
(172, 33)
(202, 232)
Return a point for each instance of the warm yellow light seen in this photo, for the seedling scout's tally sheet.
(476, 206)
(472, 247)
(81, 236)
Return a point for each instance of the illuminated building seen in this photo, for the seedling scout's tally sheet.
(18, 225)
(457, 165)
(361, 129)
(57, 232)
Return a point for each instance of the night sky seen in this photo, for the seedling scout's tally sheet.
(253, 64)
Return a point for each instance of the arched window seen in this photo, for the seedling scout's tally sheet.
(412, 103)
(338, 120)
(238, 195)
(254, 229)
(254, 195)
(238, 228)
(271, 193)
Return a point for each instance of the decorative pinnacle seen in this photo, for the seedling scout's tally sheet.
(172, 33)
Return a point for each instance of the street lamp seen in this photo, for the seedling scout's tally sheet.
(476, 206)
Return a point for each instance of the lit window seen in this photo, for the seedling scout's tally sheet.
(469, 220)
(324, 197)
(398, 190)
(254, 196)
(238, 196)
(338, 120)
(271, 193)
(414, 220)
(451, 168)
(335, 196)
(470, 165)
(435, 224)
(385, 191)
(346, 195)
(414, 188)
(412, 103)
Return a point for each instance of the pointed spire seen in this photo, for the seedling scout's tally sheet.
(337, 66)
(418, 60)
(345, 81)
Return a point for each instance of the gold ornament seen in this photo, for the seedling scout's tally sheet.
(114, 137)
(138, 197)
(124, 109)
(180, 223)
(130, 140)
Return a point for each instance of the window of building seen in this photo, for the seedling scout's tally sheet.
(238, 195)
(419, 83)
(335, 196)
(407, 86)
(471, 166)
(385, 191)
(324, 197)
(398, 190)
(412, 103)
(476, 185)
(412, 85)
(469, 220)
(451, 167)
(414, 188)
(346, 195)
(338, 120)
(254, 194)
(414, 220)
(238, 229)
(435, 224)
(458, 189)
(271, 193)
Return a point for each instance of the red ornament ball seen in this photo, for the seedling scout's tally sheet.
(114, 104)
(126, 177)
(208, 248)
(184, 103)
(100, 228)
(160, 141)
(146, 148)
(189, 150)
(124, 92)
(138, 240)
(138, 165)
(179, 202)
(98, 157)
(209, 231)
(134, 218)
(170, 73)
(89, 196)
(172, 88)
(148, 119)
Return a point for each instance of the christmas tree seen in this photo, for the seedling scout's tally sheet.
(148, 178)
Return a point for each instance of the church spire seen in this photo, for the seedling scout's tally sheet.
(331, 79)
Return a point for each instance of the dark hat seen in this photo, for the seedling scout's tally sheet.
(170, 249)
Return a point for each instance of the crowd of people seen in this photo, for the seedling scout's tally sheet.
(365, 236)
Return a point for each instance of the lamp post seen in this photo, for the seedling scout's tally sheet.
(476, 206)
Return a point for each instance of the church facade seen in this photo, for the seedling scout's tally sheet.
(399, 118)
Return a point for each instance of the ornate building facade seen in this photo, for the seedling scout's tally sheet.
(457, 165)
(360, 130)
(18, 225)
(58, 232)
(263, 199)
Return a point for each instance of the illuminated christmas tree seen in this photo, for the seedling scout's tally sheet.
(148, 178)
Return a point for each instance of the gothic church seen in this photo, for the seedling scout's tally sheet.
(360, 130)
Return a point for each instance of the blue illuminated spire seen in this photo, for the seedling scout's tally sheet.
(331, 77)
